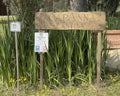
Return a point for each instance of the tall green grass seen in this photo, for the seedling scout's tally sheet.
(113, 23)
(7, 58)
(71, 58)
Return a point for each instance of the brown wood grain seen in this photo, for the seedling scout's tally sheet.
(70, 20)
(113, 38)
(99, 59)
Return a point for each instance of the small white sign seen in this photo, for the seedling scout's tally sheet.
(15, 26)
(41, 42)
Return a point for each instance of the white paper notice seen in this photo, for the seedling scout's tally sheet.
(15, 26)
(41, 42)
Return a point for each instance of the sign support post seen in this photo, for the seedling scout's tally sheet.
(16, 27)
(98, 59)
(41, 65)
(41, 70)
(17, 60)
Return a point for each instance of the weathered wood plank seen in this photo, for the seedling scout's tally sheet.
(99, 59)
(113, 39)
(70, 20)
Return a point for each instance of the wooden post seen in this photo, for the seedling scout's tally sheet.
(41, 61)
(98, 58)
(17, 60)
(41, 70)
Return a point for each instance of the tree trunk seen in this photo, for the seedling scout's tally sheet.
(78, 5)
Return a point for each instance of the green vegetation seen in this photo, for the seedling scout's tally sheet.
(113, 23)
(111, 88)
(70, 61)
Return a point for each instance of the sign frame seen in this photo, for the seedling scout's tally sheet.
(41, 23)
(15, 26)
(41, 42)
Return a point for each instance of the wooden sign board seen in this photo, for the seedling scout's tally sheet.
(70, 20)
(113, 38)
